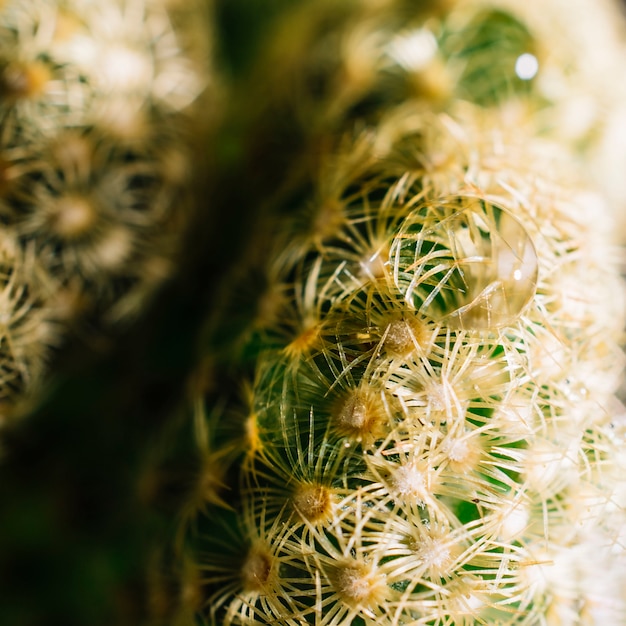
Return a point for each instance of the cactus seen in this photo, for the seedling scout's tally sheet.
(403, 396)
(98, 105)
(431, 434)
(105, 114)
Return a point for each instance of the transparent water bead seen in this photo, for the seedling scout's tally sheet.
(465, 262)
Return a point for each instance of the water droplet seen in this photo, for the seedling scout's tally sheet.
(465, 262)
(526, 66)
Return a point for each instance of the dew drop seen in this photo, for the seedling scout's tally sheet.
(526, 66)
(466, 263)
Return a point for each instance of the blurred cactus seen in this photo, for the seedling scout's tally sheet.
(105, 115)
(99, 133)
(331, 64)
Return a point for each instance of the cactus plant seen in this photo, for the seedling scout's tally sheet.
(432, 432)
(428, 434)
(105, 110)
(425, 428)
(98, 106)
